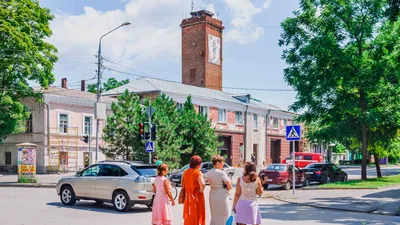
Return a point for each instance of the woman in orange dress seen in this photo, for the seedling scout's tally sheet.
(194, 210)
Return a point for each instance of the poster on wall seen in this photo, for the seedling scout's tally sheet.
(214, 49)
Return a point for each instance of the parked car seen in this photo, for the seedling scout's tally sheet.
(324, 173)
(304, 158)
(121, 183)
(282, 174)
(176, 178)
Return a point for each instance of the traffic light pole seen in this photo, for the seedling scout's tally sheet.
(150, 133)
(90, 143)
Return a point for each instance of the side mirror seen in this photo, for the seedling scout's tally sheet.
(78, 174)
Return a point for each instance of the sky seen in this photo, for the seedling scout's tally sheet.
(151, 45)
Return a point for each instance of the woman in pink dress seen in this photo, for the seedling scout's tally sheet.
(161, 214)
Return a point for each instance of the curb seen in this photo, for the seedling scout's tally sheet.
(22, 185)
(369, 211)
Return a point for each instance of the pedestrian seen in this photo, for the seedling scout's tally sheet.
(193, 184)
(156, 161)
(248, 187)
(220, 185)
(253, 158)
(161, 214)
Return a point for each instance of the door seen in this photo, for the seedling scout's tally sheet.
(337, 174)
(226, 149)
(298, 175)
(107, 180)
(84, 185)
(275, 151)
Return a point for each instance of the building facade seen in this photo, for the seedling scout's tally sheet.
(57, 127)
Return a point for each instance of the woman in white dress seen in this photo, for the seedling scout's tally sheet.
(220, 185)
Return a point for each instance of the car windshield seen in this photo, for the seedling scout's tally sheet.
(310, 166)
(185, 167)
(148, 171)
(276, 167)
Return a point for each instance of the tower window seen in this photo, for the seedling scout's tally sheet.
(192, 76)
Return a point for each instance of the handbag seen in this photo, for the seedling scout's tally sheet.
(231, 219)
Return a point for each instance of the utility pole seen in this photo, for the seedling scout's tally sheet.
(98, 87)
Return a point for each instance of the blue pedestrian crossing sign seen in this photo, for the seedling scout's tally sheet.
(293, 133)
(149, 146)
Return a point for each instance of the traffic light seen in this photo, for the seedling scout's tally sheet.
(141, 131)
(153, 132)
(146, 135)
(86, 139)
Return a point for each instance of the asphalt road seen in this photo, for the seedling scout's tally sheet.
(34, 206)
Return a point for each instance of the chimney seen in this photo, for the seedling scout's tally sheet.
(64, 83)
(83, 85)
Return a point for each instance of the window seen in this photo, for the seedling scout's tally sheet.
(239, 117)
(63, 123)
(111, 171)
(226, 166)
(222, 115)
(28, 124)
(88, 124)
(307, 157)
(275, 123)
(276, 167)
(203, 110)
(284, 123)
(179, 106)
(91, 171)
(255, 122)
(63, 158)
(8, 158)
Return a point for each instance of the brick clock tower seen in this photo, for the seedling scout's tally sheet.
(202, 50)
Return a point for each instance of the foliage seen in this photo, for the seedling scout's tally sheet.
(198, 136)
(27, 180)
(109, 85)
(370, 183)
(339, 148)
(25, 57)
(168, 141)
(393, 11)
(343, 62)
(121, 132)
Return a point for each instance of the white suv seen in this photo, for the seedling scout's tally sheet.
(121, 183)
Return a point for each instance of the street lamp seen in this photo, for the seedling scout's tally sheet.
(99, 83)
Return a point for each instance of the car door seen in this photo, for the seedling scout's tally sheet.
(107, 180)
(337, 174)
(299, 175)
(84, 185)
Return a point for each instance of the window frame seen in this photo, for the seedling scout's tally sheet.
(179, 106)
(203, 110)
(241, 122)
(255, 121)
(224, 114)
(67, 123)
(273, 123)
(84, 124)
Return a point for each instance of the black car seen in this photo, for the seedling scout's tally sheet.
(324, 173)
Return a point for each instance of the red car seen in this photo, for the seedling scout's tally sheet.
(304, 158)
(281, 174)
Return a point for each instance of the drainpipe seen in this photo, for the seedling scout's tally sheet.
(266, 136)
(245, 134)
(48, 128)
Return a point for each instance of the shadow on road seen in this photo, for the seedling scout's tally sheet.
(394, 193)
(290, 213)
(103, 208)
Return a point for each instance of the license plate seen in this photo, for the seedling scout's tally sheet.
(309, 173)
(175, 180)
(269, 179)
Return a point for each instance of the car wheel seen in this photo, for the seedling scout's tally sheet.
(287, 186)
(345, 178)
(99, 202)
(306, 182)
(121, 201)
(67, 195)
(230, 175)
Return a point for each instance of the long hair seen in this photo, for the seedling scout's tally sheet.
(250, 170)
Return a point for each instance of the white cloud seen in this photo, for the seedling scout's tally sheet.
(267, 4)
(243, 29)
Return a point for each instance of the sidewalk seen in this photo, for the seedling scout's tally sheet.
(44, 180)
(379, 201)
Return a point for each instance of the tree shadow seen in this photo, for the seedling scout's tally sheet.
(394, 193)
(291, 213)
(101, 208)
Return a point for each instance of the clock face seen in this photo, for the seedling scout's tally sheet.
(214, 49)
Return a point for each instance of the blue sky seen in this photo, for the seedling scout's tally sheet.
(252, 57)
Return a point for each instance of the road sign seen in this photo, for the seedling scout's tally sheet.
(293, 133)
(150, 111)
(149, 146)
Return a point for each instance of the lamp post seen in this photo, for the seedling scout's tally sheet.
(99, 84)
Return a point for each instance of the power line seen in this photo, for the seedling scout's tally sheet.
(233, 88)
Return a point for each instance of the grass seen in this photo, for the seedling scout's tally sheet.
(370, 183)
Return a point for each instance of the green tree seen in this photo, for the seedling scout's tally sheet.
(168, 142)
(121, 132)
(198, 136)
(393, 11)
(109, 85)
(341, 65)
(25, 56)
